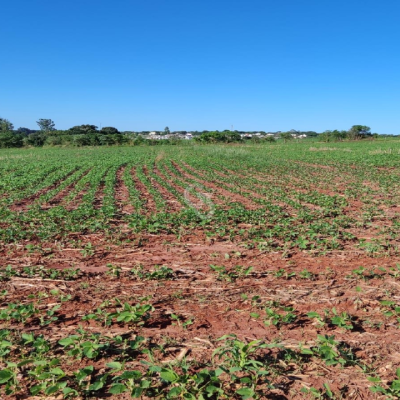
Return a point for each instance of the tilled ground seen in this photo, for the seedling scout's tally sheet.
(327, 320)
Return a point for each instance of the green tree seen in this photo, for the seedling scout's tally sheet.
(217, 136)
(359, 132)
(24, 131)
(5, 125)
(81, 140)
(83, 129)
(9, 139)
(166, 131)
(36, 139)
(339, 135)
(333, 136)
(46, 125)
(55, 140)
(109, 130)
(286, 136)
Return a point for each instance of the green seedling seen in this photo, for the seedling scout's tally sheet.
(282, 273)
(331, 351)
(391, 391)
(9, 378)
(231, 276)
(114, 270)
(320, 321)
(159, 273)
(279, 316)
(323, 394)
(305, 274)
(342, 320)
(136, 314)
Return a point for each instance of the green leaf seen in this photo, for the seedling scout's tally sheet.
(117, 388)
(395, 386)
(24, 362)
(136, 393)
(174, 392)
(168, 375)
(328, 390)
(51, 389)
(377, 389)
(5, 375)
(69, 391)
(96, 385)
(313, 314)
(36, 389)
(43, 376)
(66, 342)
(130, 375)
(57, 371)
(145, 384)
(28, 337)
(246, 393)
(114, 365)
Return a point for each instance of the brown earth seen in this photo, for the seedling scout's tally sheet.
(145, 196)
(122, 197)
(217, 305)
(220, 286)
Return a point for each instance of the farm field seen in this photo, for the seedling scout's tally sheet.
(201, 272)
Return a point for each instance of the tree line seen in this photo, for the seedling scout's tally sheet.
(356, 132)
(91, 135)
(47, 134)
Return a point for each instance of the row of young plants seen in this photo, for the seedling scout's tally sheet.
(134, 364)
(303, 217)
(272, 313)
(333, 207)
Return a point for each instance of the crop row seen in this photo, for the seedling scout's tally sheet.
(290, 201)
(110, 351)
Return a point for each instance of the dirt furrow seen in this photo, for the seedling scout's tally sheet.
(59, 198)
(99, 195)
(23, 204)
(228, 196)
(73, 205)
(190, 185)
(172, 203)
(145, 195)
(122, 198)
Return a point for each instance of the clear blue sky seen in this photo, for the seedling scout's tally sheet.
(201, 64)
